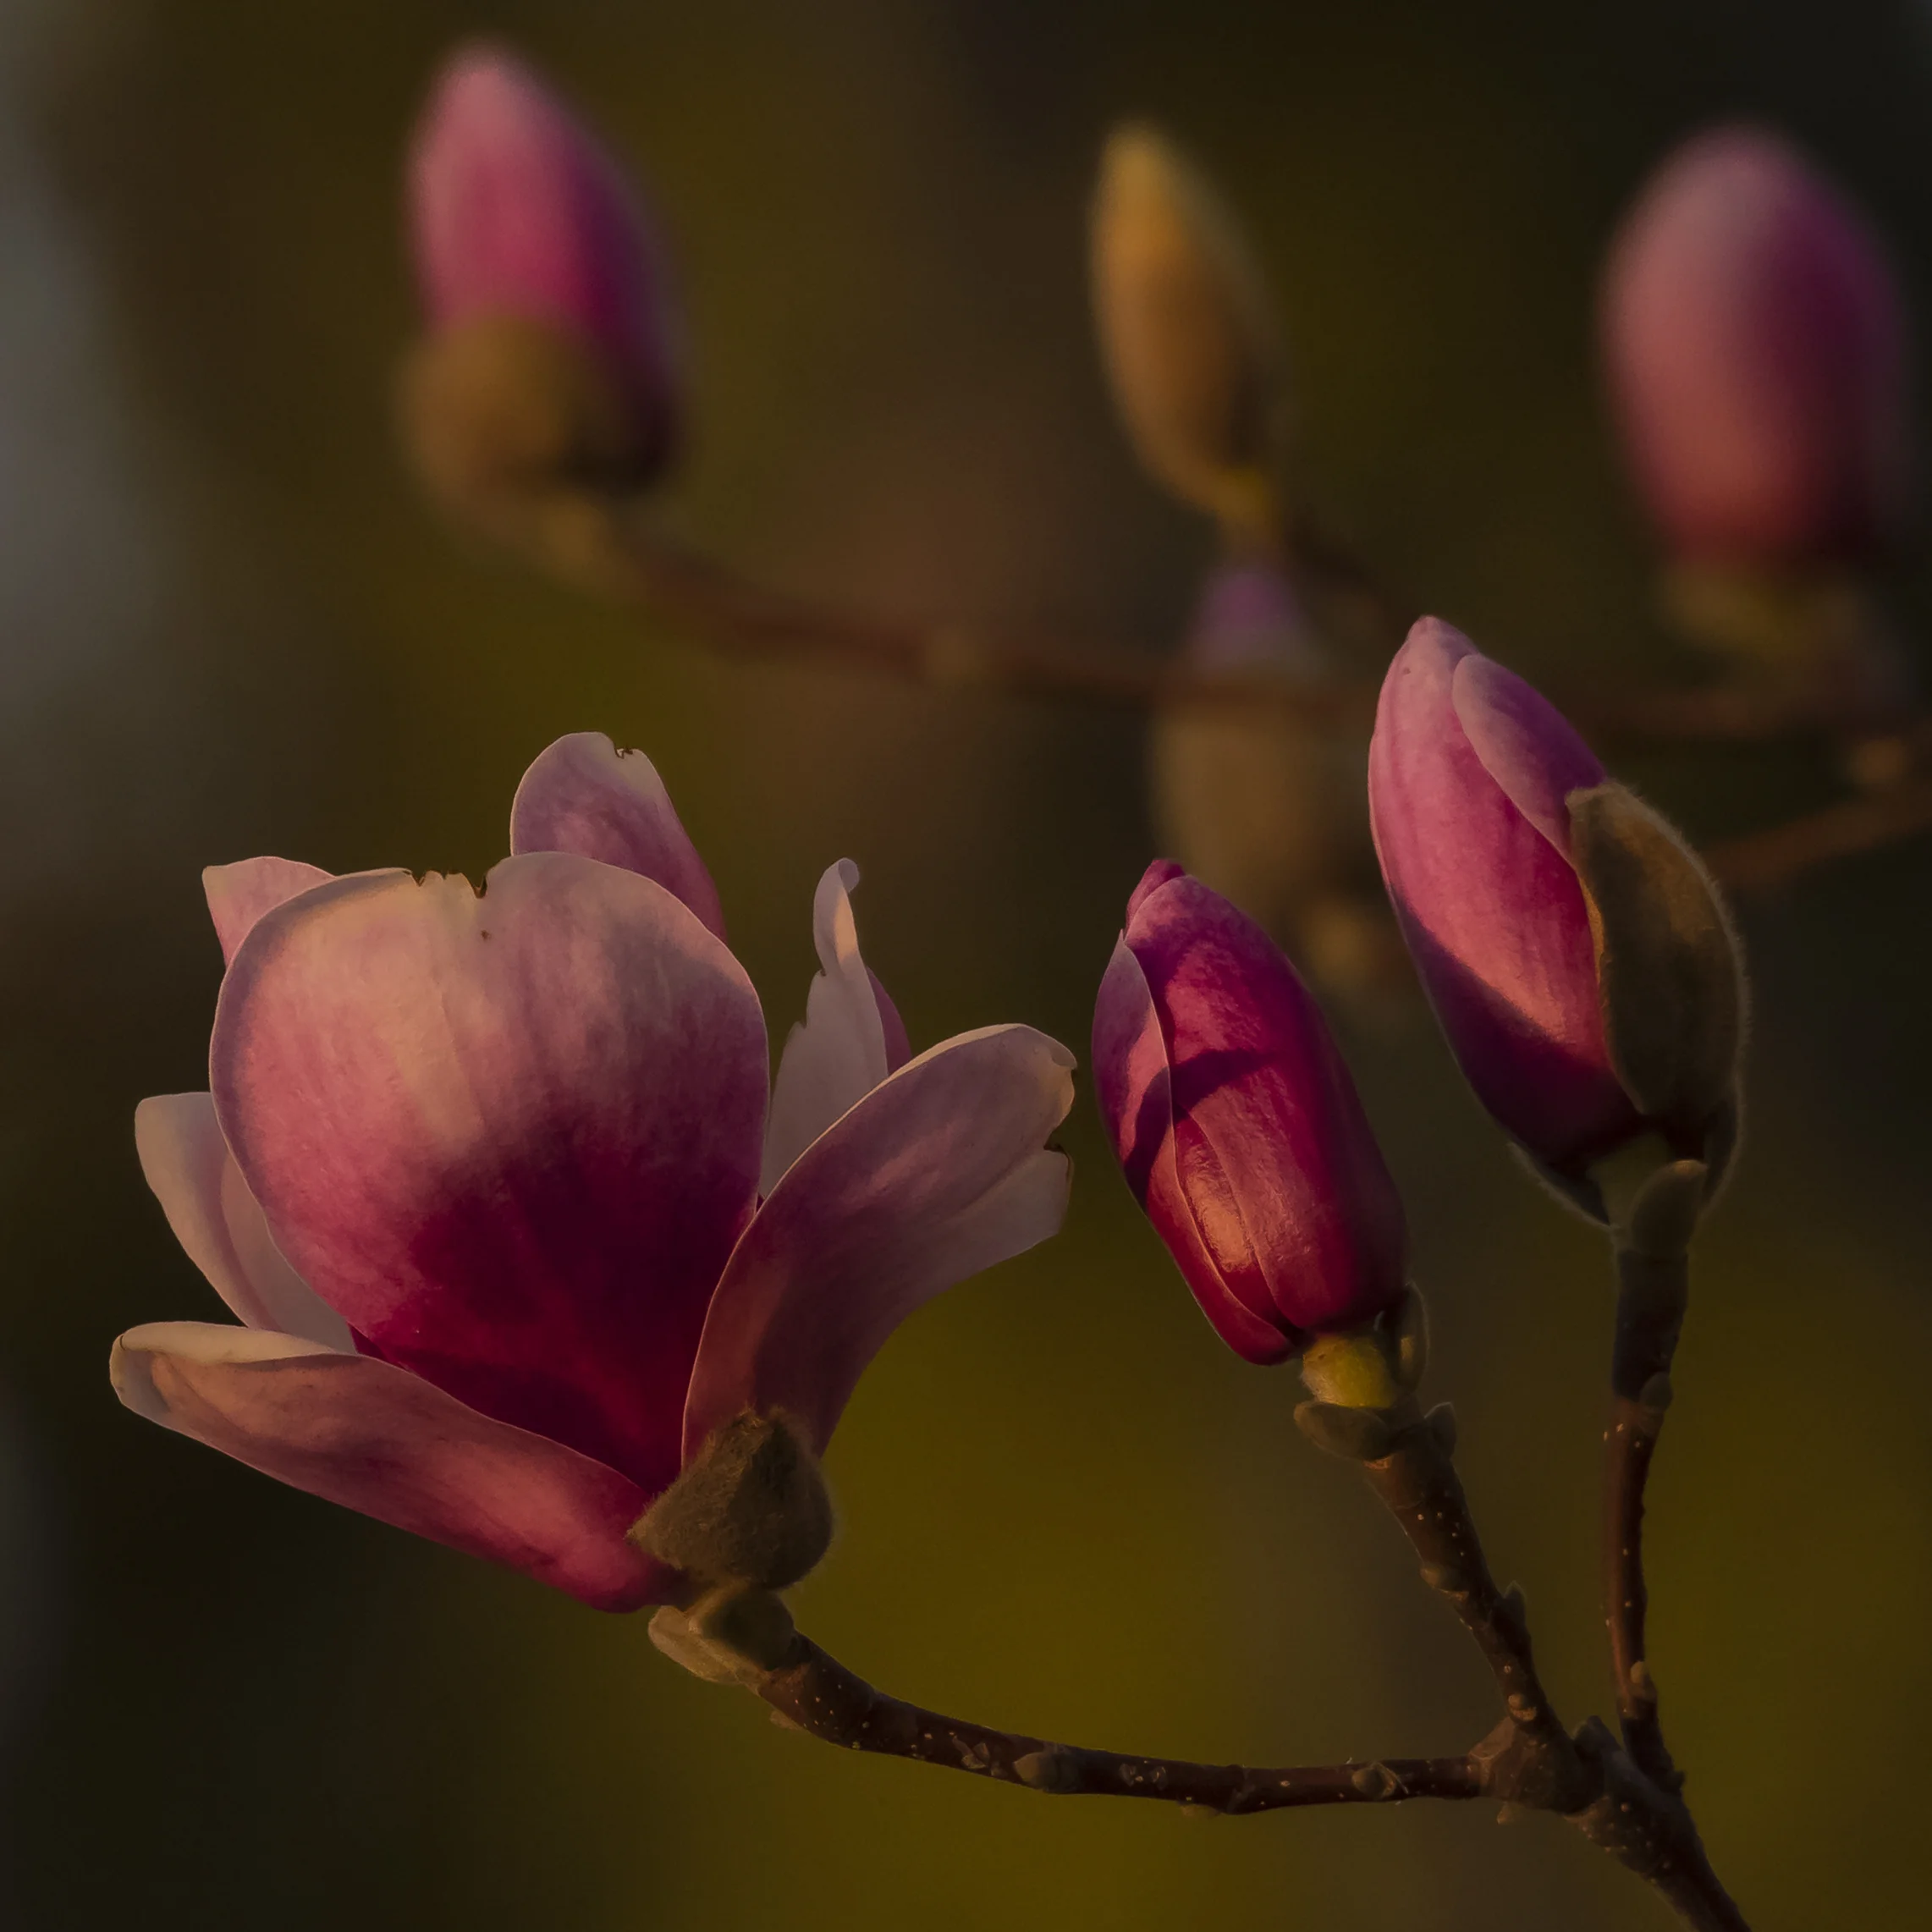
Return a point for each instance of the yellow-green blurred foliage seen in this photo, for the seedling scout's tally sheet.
(227, 626)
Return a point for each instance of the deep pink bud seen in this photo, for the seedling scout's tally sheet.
(1468, 776)
(516, 209)
(1238, 1126)
(1755, 345)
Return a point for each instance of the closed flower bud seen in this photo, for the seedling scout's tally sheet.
(1756, 353)
(549, 359)
(1185, 332)
(1574, 950)
(1238, 1127)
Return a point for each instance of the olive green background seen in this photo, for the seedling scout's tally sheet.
(227, 626)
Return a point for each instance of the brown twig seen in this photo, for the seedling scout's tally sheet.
(814, 1693)
(741, 1633)
(1529, 1759)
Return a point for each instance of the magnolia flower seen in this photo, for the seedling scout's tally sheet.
(493, 1184)
(1238, 1127)
(1756, 345)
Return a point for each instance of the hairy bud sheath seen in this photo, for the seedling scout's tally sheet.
(1574, 950)
(549, 359)
(1238, 1127)
(1184, 330)
(750, 1508)
(1754, 341)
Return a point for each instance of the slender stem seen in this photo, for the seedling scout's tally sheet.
(814, 1693)
(1653, 1291)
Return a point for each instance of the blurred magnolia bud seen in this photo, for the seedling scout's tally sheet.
(548, 365)
(1265, 807)
(1238, 1127)
(1575, 951)
(1186, 333)
(1755, 344)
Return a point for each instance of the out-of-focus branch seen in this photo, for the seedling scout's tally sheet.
(1763, 861)
(743, 620)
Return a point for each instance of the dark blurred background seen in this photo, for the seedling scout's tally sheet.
(227, 626)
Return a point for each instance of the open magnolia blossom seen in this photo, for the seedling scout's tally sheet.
(495, 1185)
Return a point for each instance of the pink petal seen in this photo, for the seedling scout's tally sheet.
(220, 1223)
(510, 1138)
(934, 1176)
(840, 1053)
(582, 795)
(898, 1042)
(238, 895)
(1133, 1084)
(360, 1433)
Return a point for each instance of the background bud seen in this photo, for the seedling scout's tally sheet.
(1184, 330)
(549, 356)
(1238, 1127)
(1265, 807)
(1574, 951)
(1755, 346)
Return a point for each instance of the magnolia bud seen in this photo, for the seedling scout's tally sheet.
(1186, 333)
(1575, 953)
(1755, 344)
(750, 1508)
(548, 363)
(1238, 1127)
